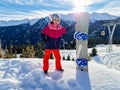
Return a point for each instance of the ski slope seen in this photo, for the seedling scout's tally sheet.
(27, 74)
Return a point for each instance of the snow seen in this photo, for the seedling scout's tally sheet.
(17, 22)
(101, 16)
(111, 60)
(71, 53)
(27, 73)
(71, 16)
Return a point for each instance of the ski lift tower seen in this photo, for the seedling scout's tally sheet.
(111, 24)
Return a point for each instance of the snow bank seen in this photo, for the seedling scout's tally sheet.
(28, 75)
(112, 60)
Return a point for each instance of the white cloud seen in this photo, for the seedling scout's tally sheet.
(31, 15)
(112, 8)
(81, 5)
(24, 2)
(84, 2)
(98, 1)
(7, 14)
(51, 2)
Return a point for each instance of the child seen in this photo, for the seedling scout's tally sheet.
(52, 35)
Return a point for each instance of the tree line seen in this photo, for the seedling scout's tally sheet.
(30, 51)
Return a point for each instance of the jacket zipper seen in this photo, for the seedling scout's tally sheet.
(56, 39)
(55, 43)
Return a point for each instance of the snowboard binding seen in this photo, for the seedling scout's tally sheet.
(80, 36)
(82, 64)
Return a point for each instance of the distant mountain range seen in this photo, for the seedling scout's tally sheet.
(17, 22)
(93, 17)
(25, 33)
(101, 16)
(29, 31)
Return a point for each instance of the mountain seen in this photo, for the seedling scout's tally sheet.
(71, 16)
(17, 22)
(25, 31)
(31, 33)
(93, 16)
(101, 16)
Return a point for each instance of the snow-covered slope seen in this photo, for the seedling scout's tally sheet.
(27, 74)
(111, 60)
(101, 16)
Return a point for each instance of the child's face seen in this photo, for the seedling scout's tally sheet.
(56, 21)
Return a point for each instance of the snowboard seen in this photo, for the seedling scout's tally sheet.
(81, 37)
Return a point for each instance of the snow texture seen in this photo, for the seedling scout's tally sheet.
(27, 73)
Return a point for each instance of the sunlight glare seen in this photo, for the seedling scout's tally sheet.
(80, 5)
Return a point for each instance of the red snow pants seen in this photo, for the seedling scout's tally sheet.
(57, 56)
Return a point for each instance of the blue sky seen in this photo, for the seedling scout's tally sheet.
(23, 9)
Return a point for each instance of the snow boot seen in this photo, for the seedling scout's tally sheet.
(46, 71)
(60, 69)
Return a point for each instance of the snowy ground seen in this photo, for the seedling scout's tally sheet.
(27, 74)
(111, 60)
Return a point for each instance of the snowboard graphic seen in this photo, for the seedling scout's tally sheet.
(81, 36)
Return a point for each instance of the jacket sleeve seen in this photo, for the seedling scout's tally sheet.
(64, 30)
(45, 30)
(44, 34)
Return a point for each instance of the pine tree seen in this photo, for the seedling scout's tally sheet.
(28, 52)
(39, 51)
(68, 46)
(7, 53)
(23, 53)
(68, 57)
(11, 49)
(92, 41)
(19, 48)
(63, 57)
(73, 59)
(15, 55)
(1, 53)
(94, 52)
(32, 52)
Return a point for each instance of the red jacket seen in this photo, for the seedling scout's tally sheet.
(54, 34)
